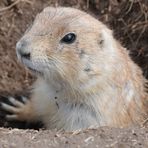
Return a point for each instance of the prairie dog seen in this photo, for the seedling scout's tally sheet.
(84, 76)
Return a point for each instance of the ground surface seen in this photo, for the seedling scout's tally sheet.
(102, 138)
(127, 18)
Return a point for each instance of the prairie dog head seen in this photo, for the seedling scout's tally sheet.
(68, 43)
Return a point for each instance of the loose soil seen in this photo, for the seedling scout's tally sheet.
(103, 137)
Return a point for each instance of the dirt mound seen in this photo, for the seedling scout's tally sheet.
(103, 137)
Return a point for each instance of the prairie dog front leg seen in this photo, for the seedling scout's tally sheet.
(19, 111)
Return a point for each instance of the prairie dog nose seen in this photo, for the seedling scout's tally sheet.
(22, 49)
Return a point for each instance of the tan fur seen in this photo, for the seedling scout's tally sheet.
(95, 81)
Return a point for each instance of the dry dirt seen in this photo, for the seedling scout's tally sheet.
(128, 19)
(102, 138)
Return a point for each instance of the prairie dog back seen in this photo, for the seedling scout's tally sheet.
(85, 77)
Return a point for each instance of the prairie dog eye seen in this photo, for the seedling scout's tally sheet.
(69, 38)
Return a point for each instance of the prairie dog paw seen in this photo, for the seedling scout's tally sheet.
(18, 110)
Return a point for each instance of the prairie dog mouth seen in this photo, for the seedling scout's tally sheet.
(31, 67)
(35, 71)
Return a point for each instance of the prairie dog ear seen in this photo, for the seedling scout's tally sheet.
(106, 40)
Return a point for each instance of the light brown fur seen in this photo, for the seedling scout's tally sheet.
(96, 81)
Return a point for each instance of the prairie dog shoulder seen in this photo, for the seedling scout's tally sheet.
(85, 77)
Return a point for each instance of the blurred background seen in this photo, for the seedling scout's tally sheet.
(127, 18)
